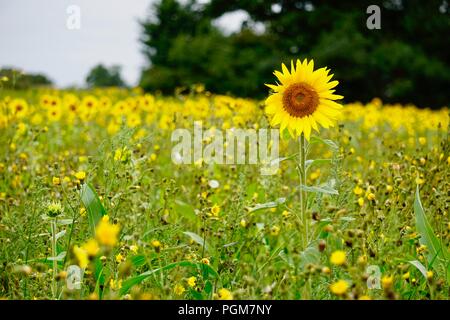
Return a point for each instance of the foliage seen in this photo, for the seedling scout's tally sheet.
(104, 162)
(16, 79)
(406, 61)
(101, 76)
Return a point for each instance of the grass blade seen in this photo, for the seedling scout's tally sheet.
(420, 267)
(129, 283)
(199, 240)
(427, 236)
(93, 205)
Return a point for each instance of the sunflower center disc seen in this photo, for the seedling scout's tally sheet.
(300, 100)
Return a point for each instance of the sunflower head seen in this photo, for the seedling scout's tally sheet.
(303, 99)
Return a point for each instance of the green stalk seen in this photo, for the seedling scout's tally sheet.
(55, 263)
(303, 205)
(302, 176)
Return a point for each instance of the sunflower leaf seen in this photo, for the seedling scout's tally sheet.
(323, 189)
(330, 143)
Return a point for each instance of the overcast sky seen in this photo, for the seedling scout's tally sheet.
(35, 38)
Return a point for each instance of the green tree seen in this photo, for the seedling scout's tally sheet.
(101, 76)
(20, 80)
(406, 61)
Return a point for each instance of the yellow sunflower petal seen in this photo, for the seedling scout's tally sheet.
(274, 87)
(327, 86)
(328, 112)
(328, 95)
(285, 70)
(298, 124)
(331, 104)
(276, 120)
(307, 129)
(313, 123)
(271, 109)
(274, 99)
(322, 119)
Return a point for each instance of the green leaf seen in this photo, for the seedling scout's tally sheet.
(230, 244)
(419, 266)
(130, 282)
(310, 255)
(316, 161)
(64, 222)
(94, 207)
(267, 205)
(138, 260)
(196, 238)
(208, 287)
(277, 161)
(427, 236)
(317, 189)
(60, 234)
(195, 294)
(207, 270)
(347, 219)
(59, 257)
(330, 143)
(100, 281)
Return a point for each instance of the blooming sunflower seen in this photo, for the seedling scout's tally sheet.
(303, 99)
(19, 108)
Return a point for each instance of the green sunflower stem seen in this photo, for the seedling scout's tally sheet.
(302, 176)
(303, 204)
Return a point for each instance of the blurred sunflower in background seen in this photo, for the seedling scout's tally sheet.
(303, 99)
(18, 108)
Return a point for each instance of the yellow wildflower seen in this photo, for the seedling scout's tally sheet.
(422, 140)
(56, 181)
(338, 258)
(192, 281)
(179, 289)
(106, 232)
(115, 284)
(387, 282)
(81, 256)
(339, 287)
(134, 248)
(361, 201)
(156, 244)
(357, 190)
(224, 294)
(275, 231)
(215, 210)
(91, 247)
(119, 258)
(80, 175)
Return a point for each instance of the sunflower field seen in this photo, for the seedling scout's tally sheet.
(93, 207)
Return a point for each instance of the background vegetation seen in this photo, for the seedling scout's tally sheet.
(406, 61)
